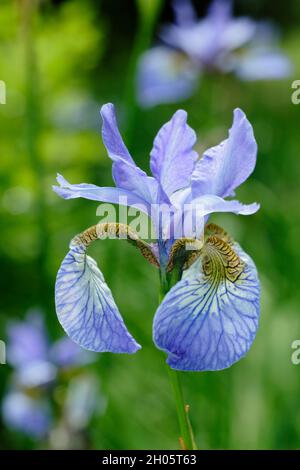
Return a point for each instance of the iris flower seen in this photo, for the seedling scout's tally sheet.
(36, 365)
(219, 43)
(208, 319)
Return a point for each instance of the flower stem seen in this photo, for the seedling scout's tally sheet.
(186, 439)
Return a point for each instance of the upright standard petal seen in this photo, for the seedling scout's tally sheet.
(208, 320)
(184, 12)
(224, 167)
(85, 306)
(127, 175)
(111, 136)
(172, 157)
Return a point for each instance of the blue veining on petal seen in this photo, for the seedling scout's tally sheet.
(203, 325)
(85, 306)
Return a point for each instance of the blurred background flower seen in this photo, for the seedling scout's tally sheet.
(40, 368)
(80, 52)
(218, 43)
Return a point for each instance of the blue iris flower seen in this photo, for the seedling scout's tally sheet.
(36, 364)
(219, 43)
(208, 320)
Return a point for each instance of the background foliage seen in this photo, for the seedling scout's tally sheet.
(59, 68)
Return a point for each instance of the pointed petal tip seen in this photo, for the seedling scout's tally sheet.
(250, 209)
(239, 113)
(59, 190)
(132, 348)
(106, 108)
(61, 180)
(181, 113)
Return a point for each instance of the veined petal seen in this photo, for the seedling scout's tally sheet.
(165, 76)
(111, 136)
(85, 306)
(196, 212)
(102, 194)
(208, 204)
(224, 167)
(127, 175)
(172, 157)
(209, 319)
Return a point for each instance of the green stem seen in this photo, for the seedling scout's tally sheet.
(186, 433)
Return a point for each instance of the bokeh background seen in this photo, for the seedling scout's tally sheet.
(61, 60)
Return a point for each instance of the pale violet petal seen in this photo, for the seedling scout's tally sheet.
(208, 204)
(36, 374)
(184, 11)
(197, 211)
(26, 414)
(85, 306)
(127, 175)
(237, 33)
(111, 136)
(164, 76)
(172, 157)
(206, 326)
(224, 167)
(220, 10)
(231, 33)
(263, 65)
(102, 194)
(27, 341)
(67, 354)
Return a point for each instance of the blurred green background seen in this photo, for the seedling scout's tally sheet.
(61, 60)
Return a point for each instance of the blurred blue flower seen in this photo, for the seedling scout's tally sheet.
(208, 320)
(36, 364)
(170, 72)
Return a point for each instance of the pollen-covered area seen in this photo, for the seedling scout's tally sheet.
(184, 251)
(220, 261)
(114, 230)
(214, 229)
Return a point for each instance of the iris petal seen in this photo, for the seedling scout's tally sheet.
(224, 167)
(264, 65)
(165, 76)
(26, 414)
(85, 306)
(172, 157)
(127, 175)
(206, 322)
(120, 196)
